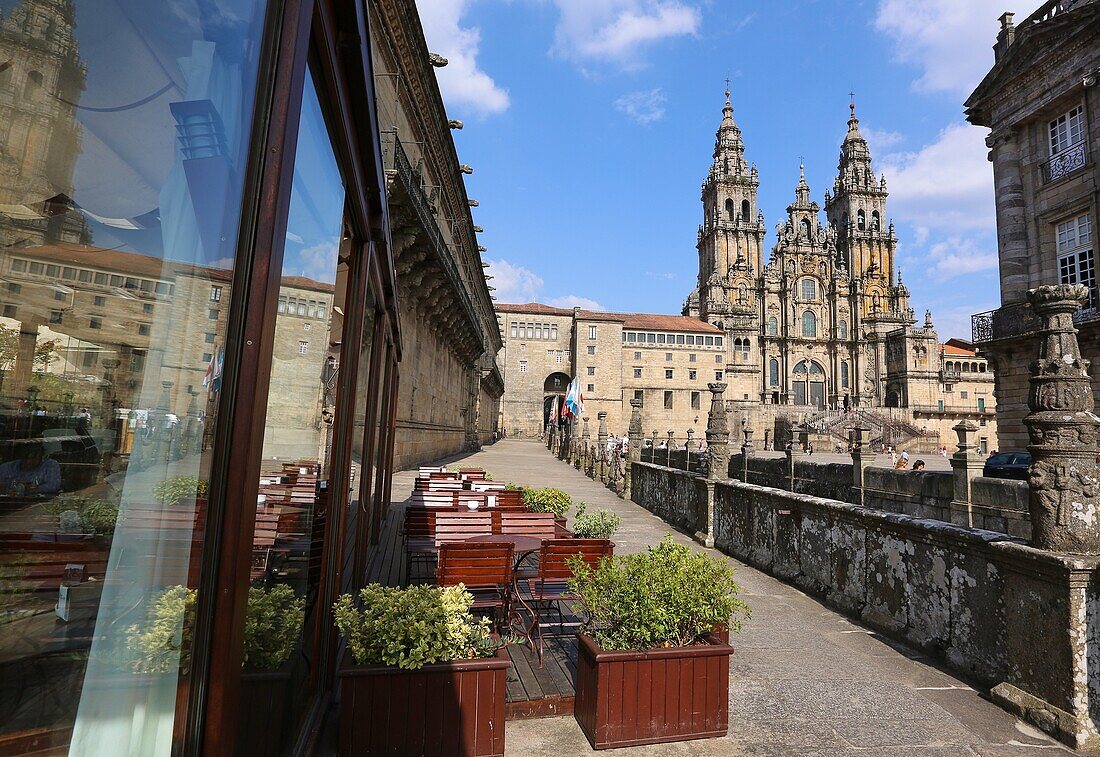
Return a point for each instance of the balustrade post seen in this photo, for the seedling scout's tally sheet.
(966, 465)
(717, 457)
(862, 457)
(633, 444)
(1062, 429)
(747, 449)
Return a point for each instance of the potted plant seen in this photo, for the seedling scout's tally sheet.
(548, 500)
(94, 515)
(180, 489)
(601, 524)
(650, 668)
(427, 676)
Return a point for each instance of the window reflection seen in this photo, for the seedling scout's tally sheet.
(122, 134)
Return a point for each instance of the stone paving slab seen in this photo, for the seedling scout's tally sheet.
(805, 680)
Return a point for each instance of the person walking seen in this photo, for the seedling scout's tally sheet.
(893, 457)
(903, 461)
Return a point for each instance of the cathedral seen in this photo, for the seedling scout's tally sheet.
(821, 320)
(818, 330)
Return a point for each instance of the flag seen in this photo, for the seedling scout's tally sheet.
(554, 410)
(212, 379)
(574, 399)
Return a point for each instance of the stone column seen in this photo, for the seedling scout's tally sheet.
(668, 450)
(967, 465)
(717, 458)
(1062, 430)
(601, 441)
(747, 449)
(862, 457)
(794, 451)
(633, 444)
(1014, 253)
(582, 447)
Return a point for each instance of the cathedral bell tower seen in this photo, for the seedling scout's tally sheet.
(730, 241)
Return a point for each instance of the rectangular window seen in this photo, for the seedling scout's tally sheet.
(213, 314)
(90, 359)
(695, 400)
(591, 370)
(637, 373)
(523, 366)
(303, 307)
(717, 341)
(163, 288)
(559, 358)
(207, 357)
(209, 338)
(215, 294)
(668, 400)
(668, 373)
(718, 358)
(1067, 130)
(1076, 263)
(55, 316)
(709, 341)
(591, 350)
(639, 394)
(37, 269)
(100, 278)
(545, 332)
(14, 288)
(59, 295)
(718, 375)
(514, 335)
(691, 339)
(668, 357)
(322, 310)
(282, 304)
(313, 308)
(145, 285)
(18, 265)
(651, 338)
(10, 311)
(303, 348)
(631, 337)
(591, 388)
(99, 301)
(660, 339)
(531, 332)
(143, 329)
(553, 332)
(85, 276)
(591, 332)
(95, 323)
(693, 375)
(147, 307)
(68, 273)
(964, 395)
(691, 357)
(53, 270)
(637, 356)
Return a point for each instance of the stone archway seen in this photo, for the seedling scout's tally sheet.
(809, 384)
(555, 385)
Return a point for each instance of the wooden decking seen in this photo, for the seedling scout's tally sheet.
(533, 692)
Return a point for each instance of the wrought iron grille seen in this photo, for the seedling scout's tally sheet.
(1069, 161)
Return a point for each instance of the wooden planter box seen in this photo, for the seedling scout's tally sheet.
(631, 698)
(451, 708)
(264, 711)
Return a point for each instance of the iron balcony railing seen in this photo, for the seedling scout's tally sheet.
(1017, 319)
(1067, 162)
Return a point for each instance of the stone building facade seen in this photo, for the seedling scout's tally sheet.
(449, 390)
(1040, 102)
(820, 329)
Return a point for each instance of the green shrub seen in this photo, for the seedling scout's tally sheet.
(601, 524)
(412, 627)
(271, 629)
(547, 501)
(515, 487)
(97, 515)
(667, 596)
(177, 489)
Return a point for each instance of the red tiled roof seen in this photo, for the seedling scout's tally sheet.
(533, 308)
(951, 349)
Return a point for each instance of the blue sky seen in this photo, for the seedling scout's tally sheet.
(590, 126)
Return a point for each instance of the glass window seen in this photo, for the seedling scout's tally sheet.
(773, 372)
(679, 339)
(695, 400)
(660, 339)
(631, 337)
(709, 341)
(651, 338)
(773, 326)
(553, 332)
(668, 373)
(591, 350)
(692, 375)
(692, 357)
(668, 357)
(136, 142)
(1067, 130)
(844, 375)
(523, 366)
(668, 400)
(809, 290)
(215, 294)
(303, 347)
(18, 265)
(513, 330)
(718, 375)
(717, 341)
(591, 370)
(809, 324)
(591, 332)
(1075, 257)
(637, 373)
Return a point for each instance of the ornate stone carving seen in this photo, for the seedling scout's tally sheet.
(634, 431)
(718, 433)
(1062, 429)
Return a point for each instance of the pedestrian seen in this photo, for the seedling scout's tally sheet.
(809, 449)
(943, 451)
(836, 448)
(903, 461)
(893, 457)
(918, 465)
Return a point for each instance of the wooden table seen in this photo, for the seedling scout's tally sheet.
(524, 546)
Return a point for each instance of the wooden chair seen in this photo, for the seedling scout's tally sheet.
(551, 586)
(463, 499)
(509, 497)
(418, 531)
(522, 522)
(485, 569)
(458, 526)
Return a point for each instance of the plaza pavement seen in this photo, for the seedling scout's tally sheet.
(804, 680)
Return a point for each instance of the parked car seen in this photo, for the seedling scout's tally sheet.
(1007, 465)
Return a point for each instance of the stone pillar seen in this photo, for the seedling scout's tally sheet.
(746, 450)
(967, 465)
(1062, 430)
(601, 440)
(862, 457)
(794, 451)
(668, 450)
(717, 457)
(1014, 251)
(633, 444)
(689, 445)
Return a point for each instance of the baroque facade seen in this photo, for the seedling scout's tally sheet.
(817, 329)
(1040, 102)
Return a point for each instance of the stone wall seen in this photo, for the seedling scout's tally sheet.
(1011, 617)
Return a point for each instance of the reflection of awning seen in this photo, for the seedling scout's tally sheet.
(20, 212)
(143, 221)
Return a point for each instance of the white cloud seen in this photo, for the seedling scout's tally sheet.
(644, 107)
(880, 140)
(318, 262)
(665, 276)
(573, 301)
(462, 83)
(947, 186)
(949, 40)
(748, 19)
(957, 256)
(617, 30)
(513, 283)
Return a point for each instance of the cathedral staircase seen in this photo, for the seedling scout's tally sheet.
(885, 429)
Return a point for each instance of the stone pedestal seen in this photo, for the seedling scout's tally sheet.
(718, 436)
(1062, 430)
(633, 443)
(966, 465)
(862, 459)
(747, 449)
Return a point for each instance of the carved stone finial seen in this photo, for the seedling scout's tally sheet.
(634, 430)
(1062, 429)
(718, 433)
(585, 434)
(601, 432)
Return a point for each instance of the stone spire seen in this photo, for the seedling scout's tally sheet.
(802, 191)
(854, 168)
(729, 148)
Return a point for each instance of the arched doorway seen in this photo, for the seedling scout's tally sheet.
(555, 385)
(809, 384)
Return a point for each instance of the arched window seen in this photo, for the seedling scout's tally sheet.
(861, 220)
(745, 350)
(729, 209)
(773, 372)
(874, 220)
(842, 330)
(843, 375)
(746, 209)
(809, 384)
(806, 228)
(809, 290)
(809, 324)
(34, 83)
(773, 326)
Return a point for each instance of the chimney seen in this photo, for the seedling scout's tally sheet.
(1005, 36)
